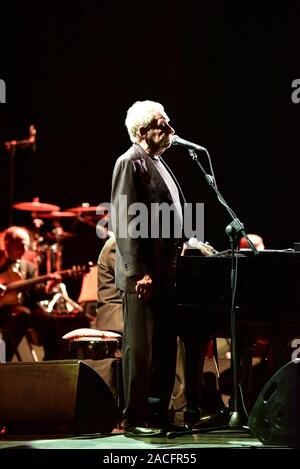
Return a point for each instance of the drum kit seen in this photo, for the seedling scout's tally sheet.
(49, 244)
(47, 247)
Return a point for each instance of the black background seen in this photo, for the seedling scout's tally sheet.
(223, 72)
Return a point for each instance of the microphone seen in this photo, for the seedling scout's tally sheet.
(32, 137)
(180, 141)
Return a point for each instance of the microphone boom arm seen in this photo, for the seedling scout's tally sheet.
(22, 143)
(235, 226)
(11, 148)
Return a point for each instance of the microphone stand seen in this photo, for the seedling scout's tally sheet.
(11, 148)
(235, 230)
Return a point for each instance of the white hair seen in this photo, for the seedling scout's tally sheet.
(140, 114)
(14, 232)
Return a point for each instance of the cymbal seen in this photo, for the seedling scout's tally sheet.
(86, 208)
(57, 214)
(35, 206)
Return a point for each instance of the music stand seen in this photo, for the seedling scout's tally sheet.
(235, 230)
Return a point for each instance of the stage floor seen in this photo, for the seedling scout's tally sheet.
(227, 447)
(228, 438)
(117, 440)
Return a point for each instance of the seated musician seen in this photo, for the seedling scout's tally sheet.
(19, 310)
(109, 304)
(256, 240)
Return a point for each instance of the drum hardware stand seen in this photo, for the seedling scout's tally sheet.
(61, 300)
(37, 241)
(235, 230)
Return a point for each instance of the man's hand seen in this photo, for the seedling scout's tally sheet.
(144, 287)
(51, 284)
(2, 289)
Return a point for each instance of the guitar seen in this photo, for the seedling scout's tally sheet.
(11, 284)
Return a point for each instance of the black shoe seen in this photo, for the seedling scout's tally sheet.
(172, 427)
(142, 432)
(219, 419)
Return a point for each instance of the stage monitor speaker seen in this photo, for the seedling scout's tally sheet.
(275, 417)
(55, 397)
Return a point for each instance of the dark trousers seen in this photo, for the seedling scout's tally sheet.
(149, 355)
(13, 329)
(14, 326)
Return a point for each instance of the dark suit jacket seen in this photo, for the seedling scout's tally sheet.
(136, 176)
(109, 305)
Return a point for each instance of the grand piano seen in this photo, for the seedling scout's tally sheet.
(267, 306)
(268, 290)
